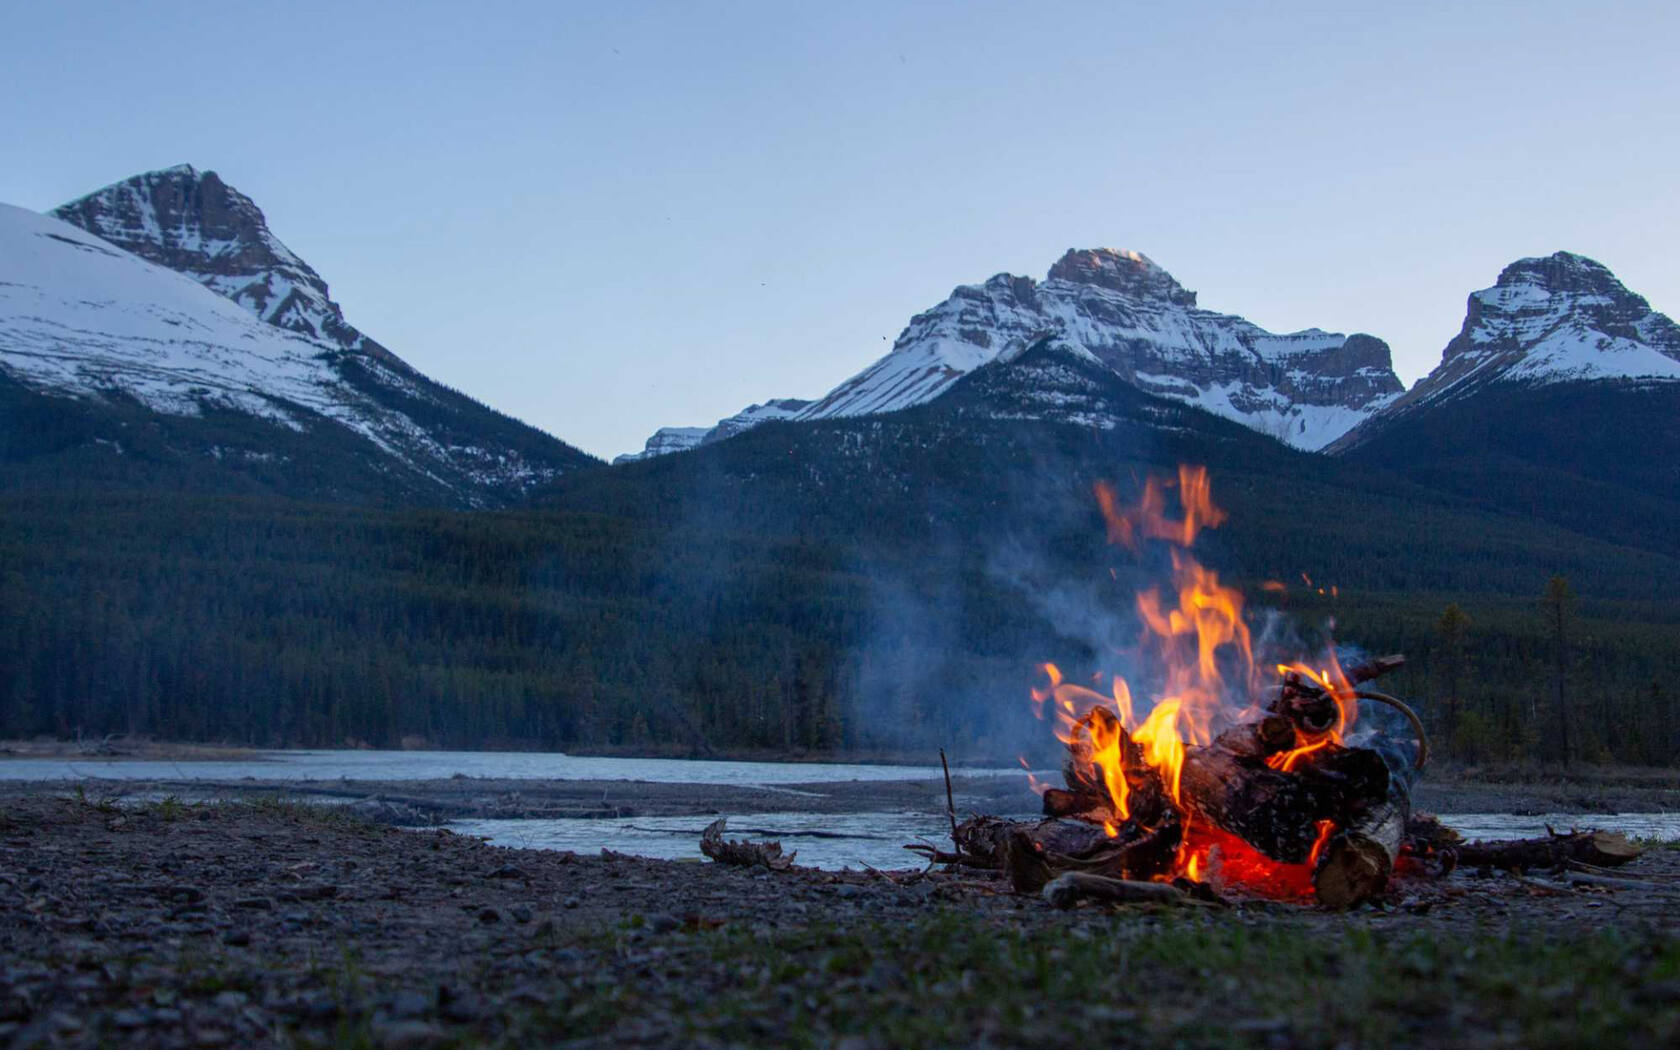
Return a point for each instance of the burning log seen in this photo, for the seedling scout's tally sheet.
(1603, 849)
(1357, 861)
(741, 852)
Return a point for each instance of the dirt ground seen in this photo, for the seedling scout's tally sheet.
(274, 924)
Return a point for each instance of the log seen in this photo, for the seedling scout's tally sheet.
(1069, 888)
(1604, 849)
(742, 853)
(1357, 861)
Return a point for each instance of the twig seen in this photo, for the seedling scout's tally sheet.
(950, 800)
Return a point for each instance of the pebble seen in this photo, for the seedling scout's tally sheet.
(520, 913)
(236, 938)
(489, 915)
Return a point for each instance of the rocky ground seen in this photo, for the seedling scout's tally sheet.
(274, 924)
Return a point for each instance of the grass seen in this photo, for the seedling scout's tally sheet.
(960, 979)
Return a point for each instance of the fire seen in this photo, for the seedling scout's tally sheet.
(1199, 655)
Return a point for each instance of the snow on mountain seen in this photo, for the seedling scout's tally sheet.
(1562, 318)
(79, 316)
(680, 439)
(1122, 310)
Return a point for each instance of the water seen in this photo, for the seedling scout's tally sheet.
(1500, 826)
(441, 765)
(878, 839)
(858, 839)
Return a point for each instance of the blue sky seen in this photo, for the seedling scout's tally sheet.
(605, 218)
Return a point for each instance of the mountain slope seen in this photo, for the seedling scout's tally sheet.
(1121, 310)
(245, 327)
(117, 344)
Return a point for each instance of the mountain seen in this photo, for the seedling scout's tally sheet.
(1558, 400)
(184, 328)
(680, 439)
(1559, 319)
(1125, 312)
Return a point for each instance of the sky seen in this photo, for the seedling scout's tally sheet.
(607, 218)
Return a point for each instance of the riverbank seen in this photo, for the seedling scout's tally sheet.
(270, 924)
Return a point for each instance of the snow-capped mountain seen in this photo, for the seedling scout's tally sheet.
(243, 327)
(1119, 308)
(1562, 318)
(679, 439)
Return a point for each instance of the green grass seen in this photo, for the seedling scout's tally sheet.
(1164, 980)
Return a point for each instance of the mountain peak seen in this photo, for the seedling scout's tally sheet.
(194, 223)
(1564, 272)
(1131, 273)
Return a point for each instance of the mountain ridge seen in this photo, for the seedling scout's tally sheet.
(1124, 311)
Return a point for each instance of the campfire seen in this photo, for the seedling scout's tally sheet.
(1215, 772)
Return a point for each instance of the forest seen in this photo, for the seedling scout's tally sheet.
(271, 622)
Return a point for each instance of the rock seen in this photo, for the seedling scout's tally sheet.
(230, 1000)
(571, 902)
(407, 1035)
(255, 903)
(520, 913)
(508, 872)
(659, 922)
(489, 915)
(129, 1019)
(236, 938)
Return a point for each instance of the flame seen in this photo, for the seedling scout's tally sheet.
(1201, 676)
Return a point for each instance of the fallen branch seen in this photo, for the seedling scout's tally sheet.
(742, 853)
(1604, 849)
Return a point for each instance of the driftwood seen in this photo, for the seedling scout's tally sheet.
(1604, 849)
(1069, 888)
(740, 852)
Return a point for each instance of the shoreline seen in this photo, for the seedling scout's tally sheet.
(270, 924)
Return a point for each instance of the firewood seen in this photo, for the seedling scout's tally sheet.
(741, 852)
(1069, 888)
(1604, 849)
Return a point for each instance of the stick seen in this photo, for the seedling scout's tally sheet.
(1069, 888)
(950, 801)
(1581, 878)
